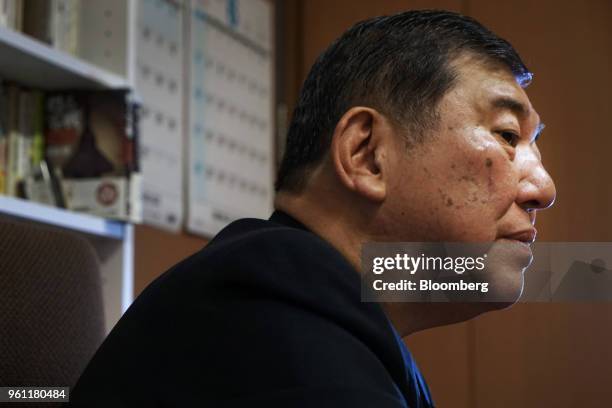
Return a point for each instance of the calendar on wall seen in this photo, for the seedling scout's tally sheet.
(230, 135)
(159, 78)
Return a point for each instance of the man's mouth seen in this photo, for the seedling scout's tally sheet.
(526, 236)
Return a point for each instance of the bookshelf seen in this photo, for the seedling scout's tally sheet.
(32, 63)
(38, 65)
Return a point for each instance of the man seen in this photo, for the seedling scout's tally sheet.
(413, 127)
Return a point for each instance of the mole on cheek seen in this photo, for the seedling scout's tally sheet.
(445, 198)
(489, 164)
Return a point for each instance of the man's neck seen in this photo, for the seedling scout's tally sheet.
(325, 221)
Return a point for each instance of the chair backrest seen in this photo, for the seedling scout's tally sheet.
(51, 311)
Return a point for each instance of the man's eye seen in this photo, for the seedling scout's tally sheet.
(510, 137)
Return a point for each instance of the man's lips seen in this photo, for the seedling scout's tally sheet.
(526, 236)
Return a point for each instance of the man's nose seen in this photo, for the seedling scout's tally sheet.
(536, 189)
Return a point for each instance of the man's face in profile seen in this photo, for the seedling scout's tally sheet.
(478, 176)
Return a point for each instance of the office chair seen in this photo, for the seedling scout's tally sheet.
(51, 311)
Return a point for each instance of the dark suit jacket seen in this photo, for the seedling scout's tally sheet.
(267, 315)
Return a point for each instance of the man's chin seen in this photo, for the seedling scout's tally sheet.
(472, 310)
(507, 261)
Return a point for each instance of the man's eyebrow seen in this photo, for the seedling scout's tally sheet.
(518, 108)
(505, 102)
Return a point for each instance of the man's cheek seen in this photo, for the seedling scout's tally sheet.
(487, 179)
(501, 180)
(475, 179)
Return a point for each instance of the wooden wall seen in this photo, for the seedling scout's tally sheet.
(532, 355)
(155, 251)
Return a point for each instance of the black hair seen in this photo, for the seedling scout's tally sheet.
(399, 65)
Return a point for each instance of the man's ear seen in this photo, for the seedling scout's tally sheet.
(357, 149)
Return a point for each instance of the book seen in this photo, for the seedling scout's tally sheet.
(38, 151)
(55, 22)
(63, 118)
(21, 141)
(11, 14)
(65, 21)
(3, 137)
(90, 142)
(12, 159)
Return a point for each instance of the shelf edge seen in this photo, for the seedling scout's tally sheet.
(58, 217)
